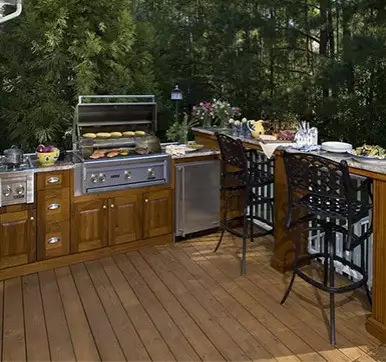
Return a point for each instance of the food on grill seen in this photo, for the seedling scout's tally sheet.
(112, 154)
(140, 133)
(129, 134)
(116, 134)
(97, 154)
(124, 153)
(370, 151)
(103, 135)
(89, 135)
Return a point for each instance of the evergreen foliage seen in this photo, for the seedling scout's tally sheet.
(281, 59)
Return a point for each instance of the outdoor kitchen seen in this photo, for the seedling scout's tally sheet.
(192, 182)
(113, 191)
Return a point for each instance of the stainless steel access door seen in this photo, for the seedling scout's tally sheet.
(197, 201)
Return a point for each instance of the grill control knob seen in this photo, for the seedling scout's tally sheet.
(93, 178)
(150, 173)
(20, 190)
(102, 177)
(7, 190)
(128, 175)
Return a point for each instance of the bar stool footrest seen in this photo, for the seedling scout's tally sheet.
(299, 262)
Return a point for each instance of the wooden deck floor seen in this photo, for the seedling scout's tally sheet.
(178, 302)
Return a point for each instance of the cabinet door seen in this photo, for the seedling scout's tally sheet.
(18, 238)
(89, 225)
(125, 218)
(157, 213)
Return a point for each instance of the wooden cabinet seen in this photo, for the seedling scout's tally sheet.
(157, 213)
(18, 238)
(125, 219)
(90, 225)
(53, 213)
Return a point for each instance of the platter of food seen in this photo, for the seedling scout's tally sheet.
(369, 154)
(194, 146)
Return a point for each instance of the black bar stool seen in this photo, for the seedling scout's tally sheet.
(325, 191)
(247, 175)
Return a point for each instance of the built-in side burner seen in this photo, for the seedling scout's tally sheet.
(16, 183)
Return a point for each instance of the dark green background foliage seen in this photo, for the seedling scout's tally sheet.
(284, 59)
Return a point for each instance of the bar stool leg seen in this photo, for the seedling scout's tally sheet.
(364, 273)
(224, 219)
(325, 263)
(329, 239)
(286, 294)
(245, 233)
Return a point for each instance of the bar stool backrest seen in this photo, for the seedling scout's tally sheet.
(232, 152)
(317, 176)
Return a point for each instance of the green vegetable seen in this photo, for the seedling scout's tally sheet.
(370, 151)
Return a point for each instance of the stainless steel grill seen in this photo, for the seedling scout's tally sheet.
(124, 114)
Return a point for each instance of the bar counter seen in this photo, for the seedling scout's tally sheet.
(283, 247)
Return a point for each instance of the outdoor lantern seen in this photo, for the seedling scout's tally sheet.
(176, 96)
(15, 4)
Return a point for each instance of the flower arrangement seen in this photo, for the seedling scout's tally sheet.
(215, 112)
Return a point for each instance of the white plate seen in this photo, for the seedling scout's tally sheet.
(337, 147)
(367, 159)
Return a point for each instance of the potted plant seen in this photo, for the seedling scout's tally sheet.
(178, 131)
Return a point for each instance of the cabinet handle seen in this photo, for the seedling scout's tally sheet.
(53, 206)
(53, 240)
(104, 207)
(32, 218)
(112, 206)
(53, 180)
(146, 200)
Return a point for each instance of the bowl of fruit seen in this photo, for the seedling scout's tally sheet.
(47, 155)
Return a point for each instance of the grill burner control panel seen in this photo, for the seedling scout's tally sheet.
(139, 172)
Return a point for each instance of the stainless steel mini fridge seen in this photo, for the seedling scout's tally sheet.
(197, 199)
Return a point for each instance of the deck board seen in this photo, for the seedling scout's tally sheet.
(178, 302)
(34, 320)
(59, 338)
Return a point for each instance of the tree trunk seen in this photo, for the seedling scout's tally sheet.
(346, 16)
(323, 46)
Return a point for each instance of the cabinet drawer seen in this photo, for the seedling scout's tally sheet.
(55, 241)
(54, 205)
(53, 180)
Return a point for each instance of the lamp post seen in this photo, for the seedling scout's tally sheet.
(176, 96)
